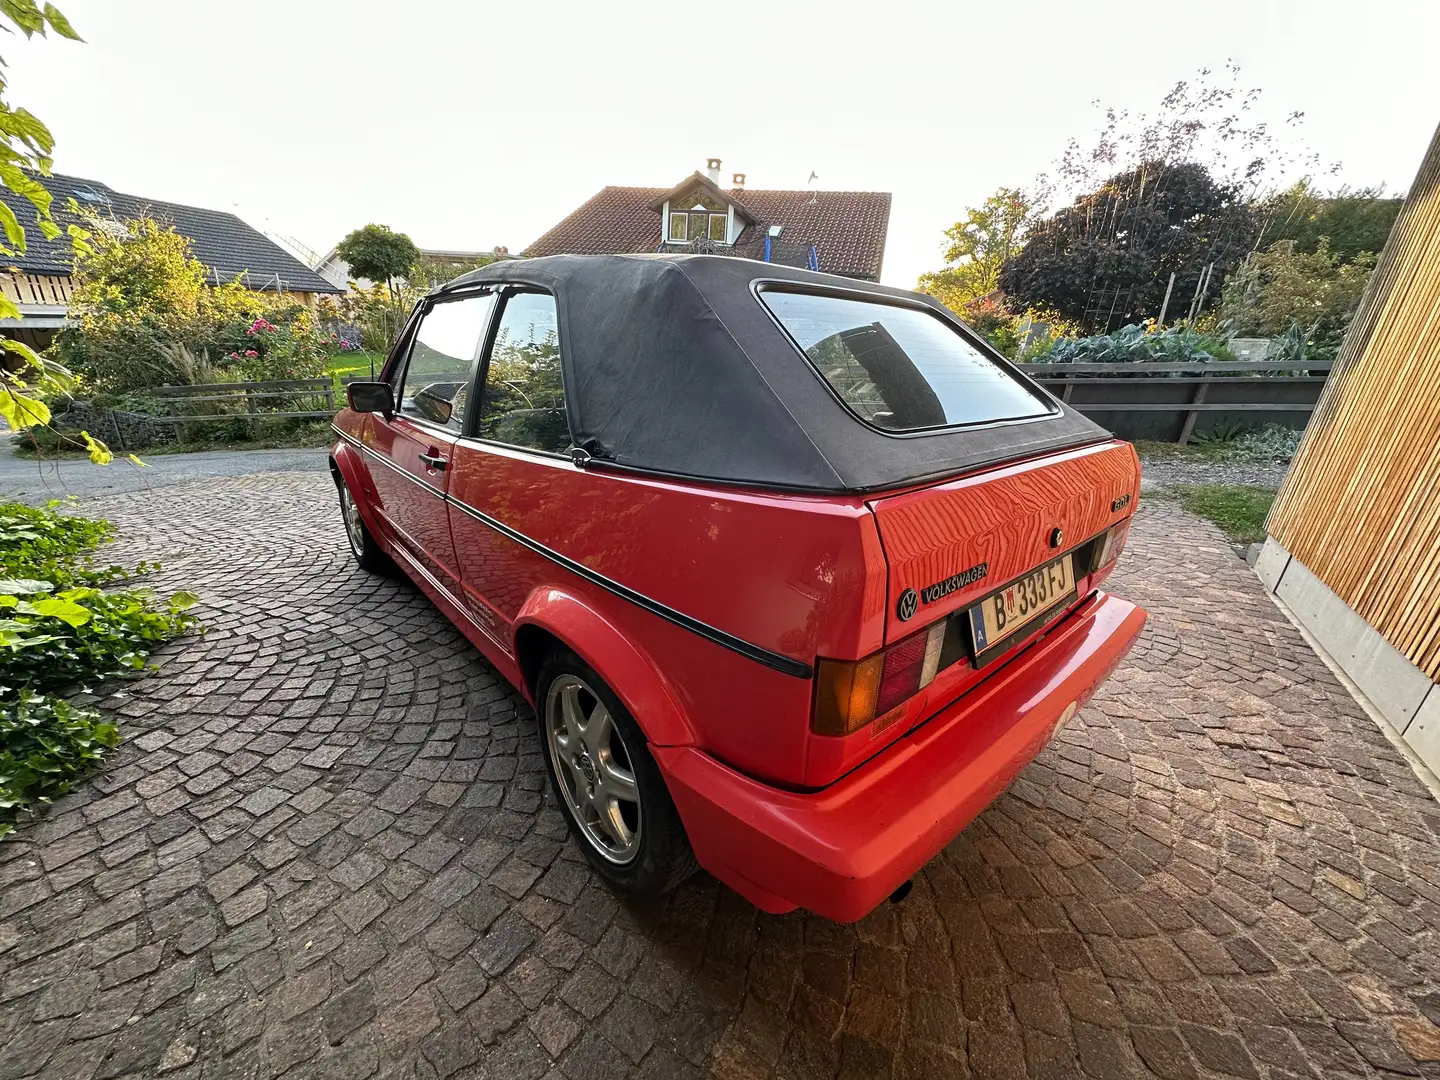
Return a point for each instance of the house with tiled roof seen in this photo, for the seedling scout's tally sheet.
(40, 279)
(837, 232)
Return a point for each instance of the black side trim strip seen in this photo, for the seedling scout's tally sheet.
(759, 654)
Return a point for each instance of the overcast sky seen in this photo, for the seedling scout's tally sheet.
(471, 124)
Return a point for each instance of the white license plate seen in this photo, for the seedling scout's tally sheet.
(1002, 615)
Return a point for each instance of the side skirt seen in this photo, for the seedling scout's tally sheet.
(478, 636)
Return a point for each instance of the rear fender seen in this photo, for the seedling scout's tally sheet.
(634, 676)
(346, 463)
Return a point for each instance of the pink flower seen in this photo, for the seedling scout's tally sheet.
(251, 352)
(257, 326)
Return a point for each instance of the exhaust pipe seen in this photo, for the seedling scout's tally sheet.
(902, 892)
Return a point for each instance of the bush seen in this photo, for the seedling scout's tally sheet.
(145, 315)
(62, 626)
(1277, 290)
(991, 321)
(377, 314)
(45, 745)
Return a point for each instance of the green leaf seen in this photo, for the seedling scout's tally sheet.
(9, 309)
(183, 599)
(25, 586)
(60, 24)
(67, 611)
(21, 349)
(79, 240)
(31, 128)
(22, 183)
(21, 412)
(14, 231)
(24, 14)
(99, 453)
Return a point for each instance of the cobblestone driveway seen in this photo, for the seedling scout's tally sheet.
(326, 851)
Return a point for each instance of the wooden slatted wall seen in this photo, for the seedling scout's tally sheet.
(1361, 506)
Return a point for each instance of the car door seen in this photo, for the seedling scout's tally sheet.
(513, 468)
(432, 390)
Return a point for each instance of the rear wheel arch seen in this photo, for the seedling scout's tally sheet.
(553, 619)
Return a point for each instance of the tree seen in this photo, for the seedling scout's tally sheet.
(25, 148)
(434, 270)
(1354, 221)
(379, 253)
(1106, 260)
(979, 246)
(1284, 287)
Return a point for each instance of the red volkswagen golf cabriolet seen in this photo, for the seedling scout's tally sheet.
(797, 572)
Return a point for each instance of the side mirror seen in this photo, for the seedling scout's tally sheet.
(376, 397)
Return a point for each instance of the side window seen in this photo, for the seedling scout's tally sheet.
(524, 402)
(442, 361)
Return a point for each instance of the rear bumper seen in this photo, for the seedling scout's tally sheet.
(840, 851)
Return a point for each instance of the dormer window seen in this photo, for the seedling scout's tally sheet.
(704, 220)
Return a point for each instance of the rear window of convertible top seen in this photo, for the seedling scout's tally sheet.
(899, 368)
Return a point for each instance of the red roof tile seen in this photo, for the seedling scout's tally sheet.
(847, 228)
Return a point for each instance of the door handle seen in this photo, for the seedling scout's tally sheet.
(435, 461)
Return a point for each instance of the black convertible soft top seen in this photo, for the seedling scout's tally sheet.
(672, 365)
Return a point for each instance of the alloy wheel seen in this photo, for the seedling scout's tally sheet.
(594, 768)
(354, 527)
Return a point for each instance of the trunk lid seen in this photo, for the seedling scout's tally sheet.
(949, 545)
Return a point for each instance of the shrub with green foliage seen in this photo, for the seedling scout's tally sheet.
(46, 744)
(147, 314)
(1284, 288)
(62, 625)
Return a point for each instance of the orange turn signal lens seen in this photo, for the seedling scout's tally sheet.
(846, 695)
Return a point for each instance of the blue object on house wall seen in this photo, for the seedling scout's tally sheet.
(767, 247)
(814, 261)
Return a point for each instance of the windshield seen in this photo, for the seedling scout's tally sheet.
(900, 368)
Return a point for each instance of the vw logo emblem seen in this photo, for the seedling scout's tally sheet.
(909, 601)
(1056, 536)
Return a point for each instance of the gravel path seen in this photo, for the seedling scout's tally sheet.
(33, 481)
(1157, 472)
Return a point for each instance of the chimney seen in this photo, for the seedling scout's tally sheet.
(712, 169)
(737, 180)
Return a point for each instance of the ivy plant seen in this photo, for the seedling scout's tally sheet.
(64, 622)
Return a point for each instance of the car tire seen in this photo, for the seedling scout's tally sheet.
(367, 552)
(658, 857)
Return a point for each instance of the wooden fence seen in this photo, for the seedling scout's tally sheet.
(1171, 401)
(1361, 506)
(1168, 402)
(251, 397)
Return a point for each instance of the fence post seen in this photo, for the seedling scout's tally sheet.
(254, 418)
(1188, 428)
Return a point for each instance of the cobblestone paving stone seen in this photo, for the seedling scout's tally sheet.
(326, 850)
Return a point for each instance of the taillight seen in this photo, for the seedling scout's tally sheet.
(853, 693)
(1112, 544)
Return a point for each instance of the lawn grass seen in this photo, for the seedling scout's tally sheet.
(353, 363)
(1238, 509)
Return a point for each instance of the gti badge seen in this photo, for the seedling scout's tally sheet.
(909, 601)
(1056, 537)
